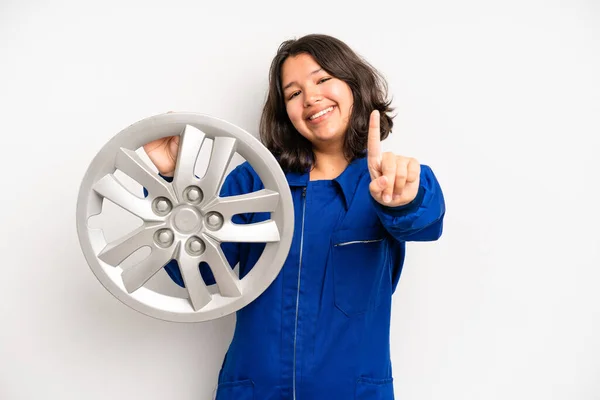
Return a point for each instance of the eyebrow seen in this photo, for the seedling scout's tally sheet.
(291, 83)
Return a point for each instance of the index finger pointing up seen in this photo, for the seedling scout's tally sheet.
(374, 145)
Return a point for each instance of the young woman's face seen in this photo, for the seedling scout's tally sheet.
(318, 104)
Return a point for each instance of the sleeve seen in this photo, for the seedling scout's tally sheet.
(421, 219)
(235, 183)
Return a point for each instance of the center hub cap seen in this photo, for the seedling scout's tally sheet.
(186, 220)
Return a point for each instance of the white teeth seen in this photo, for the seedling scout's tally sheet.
(325, 111)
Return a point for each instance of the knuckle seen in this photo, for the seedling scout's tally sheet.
(399, 185)
(389, 169)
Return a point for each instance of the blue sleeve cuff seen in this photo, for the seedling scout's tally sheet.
(166, 178)
(405, 209)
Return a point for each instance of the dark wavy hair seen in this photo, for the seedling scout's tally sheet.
(369, 89)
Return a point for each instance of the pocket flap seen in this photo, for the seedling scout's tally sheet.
(358, 235)
(375, 389)
(238, 390)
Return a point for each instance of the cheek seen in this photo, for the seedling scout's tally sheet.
(292, 112)
(295, 115)
(343, 96)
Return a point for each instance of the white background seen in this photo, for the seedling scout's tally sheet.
(501, 99)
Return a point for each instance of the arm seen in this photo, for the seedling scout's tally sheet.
(407, 196)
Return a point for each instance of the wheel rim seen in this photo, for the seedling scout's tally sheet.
(185, 220)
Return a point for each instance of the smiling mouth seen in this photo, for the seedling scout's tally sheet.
(320, 113)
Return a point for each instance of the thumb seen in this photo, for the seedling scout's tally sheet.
(378, 185)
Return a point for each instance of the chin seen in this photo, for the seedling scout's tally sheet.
(327, 139)
(327, 134)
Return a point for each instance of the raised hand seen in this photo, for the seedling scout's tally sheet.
(394, 179)
(163, 153)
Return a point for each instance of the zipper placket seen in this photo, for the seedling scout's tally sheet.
(298, 291)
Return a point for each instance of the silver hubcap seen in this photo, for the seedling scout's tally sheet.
(185, 219)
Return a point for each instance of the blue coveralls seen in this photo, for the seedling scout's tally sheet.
(321, 331)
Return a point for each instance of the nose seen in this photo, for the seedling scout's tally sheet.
(312, 95)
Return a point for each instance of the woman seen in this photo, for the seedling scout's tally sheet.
(321, 329)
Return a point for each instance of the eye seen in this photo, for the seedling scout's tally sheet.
(324, 79)
(296, 93)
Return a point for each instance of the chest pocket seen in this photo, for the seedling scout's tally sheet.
(360, 271)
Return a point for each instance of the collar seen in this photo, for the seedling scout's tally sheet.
(347, 181)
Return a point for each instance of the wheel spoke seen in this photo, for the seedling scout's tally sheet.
(136, 276)
(222, 271)
(197, 290)
(222, 152)
(260, 232)
(115, 252)
(261, 201)
(190, 144)
(110, 188)
(130, 162)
